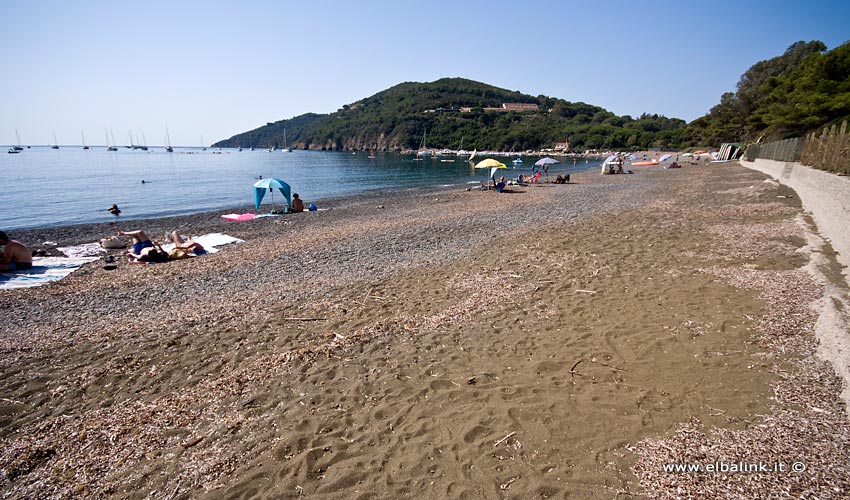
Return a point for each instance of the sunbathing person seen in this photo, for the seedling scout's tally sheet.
(15, 256)
(183, 247)
(297, 204)
(144, 249)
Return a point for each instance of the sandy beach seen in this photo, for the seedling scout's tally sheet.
(558, 341)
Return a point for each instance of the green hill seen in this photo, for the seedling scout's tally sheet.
(452, 110)
(802, 90)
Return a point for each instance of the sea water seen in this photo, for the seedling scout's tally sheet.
(43, 187)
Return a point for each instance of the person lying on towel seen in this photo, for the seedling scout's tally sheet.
(144, 249)
(184, 247)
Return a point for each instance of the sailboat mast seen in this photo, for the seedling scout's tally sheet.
(168, 147)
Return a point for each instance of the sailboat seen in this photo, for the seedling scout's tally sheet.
(422, 151)
(18, 147)
(203, 148)
(168, 147)
(285, 149)
(108, 147)
(458, 152)
(84, 139)
(55, 142)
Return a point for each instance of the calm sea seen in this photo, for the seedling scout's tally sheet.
(44, 187)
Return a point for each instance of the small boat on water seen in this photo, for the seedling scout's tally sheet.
(422, 152)
(168, 147)
(55, 142)
(18, 148)
(13, 151)
(108, 146)
(518, 161)
(285, 149)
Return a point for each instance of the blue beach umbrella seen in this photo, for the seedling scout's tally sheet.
(260, 188)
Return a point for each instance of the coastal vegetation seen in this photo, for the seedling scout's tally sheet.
(458, 113)
(804, 89)
(801, 90)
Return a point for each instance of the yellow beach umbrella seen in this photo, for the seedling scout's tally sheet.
(493, 165)
(490, 163)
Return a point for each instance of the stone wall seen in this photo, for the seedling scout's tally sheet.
(825, 195)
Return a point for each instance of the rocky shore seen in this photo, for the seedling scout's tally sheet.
(554, 341)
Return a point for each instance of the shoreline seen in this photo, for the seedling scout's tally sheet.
(75, 234)
(240, 203)
(558, 340)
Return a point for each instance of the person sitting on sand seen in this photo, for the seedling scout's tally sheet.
(297, 204)
(184, 247)
(15, 256)
(144, 249)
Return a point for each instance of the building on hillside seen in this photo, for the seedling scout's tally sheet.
(562, 147)
(519, 106)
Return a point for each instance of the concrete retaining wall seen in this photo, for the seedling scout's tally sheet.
(825, 195)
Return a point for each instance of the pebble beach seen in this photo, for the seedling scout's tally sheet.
(554, 341)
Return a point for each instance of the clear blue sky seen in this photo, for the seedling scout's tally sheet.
(213, 69)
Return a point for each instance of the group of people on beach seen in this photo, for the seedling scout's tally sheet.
(147, 250)
(15, 256)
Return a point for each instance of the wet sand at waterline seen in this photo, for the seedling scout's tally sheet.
(557, 341)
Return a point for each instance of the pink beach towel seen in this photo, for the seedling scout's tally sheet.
(238, 217)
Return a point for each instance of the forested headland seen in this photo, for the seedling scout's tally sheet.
(801, 90)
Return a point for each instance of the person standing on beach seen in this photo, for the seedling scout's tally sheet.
(15, 256)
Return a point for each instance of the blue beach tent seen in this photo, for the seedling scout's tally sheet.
(260, 188)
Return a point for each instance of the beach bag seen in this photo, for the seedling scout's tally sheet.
(113, 242)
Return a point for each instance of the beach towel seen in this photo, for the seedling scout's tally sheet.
(209, 241)
(44, 270)
(238, 217)
(85, 250)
